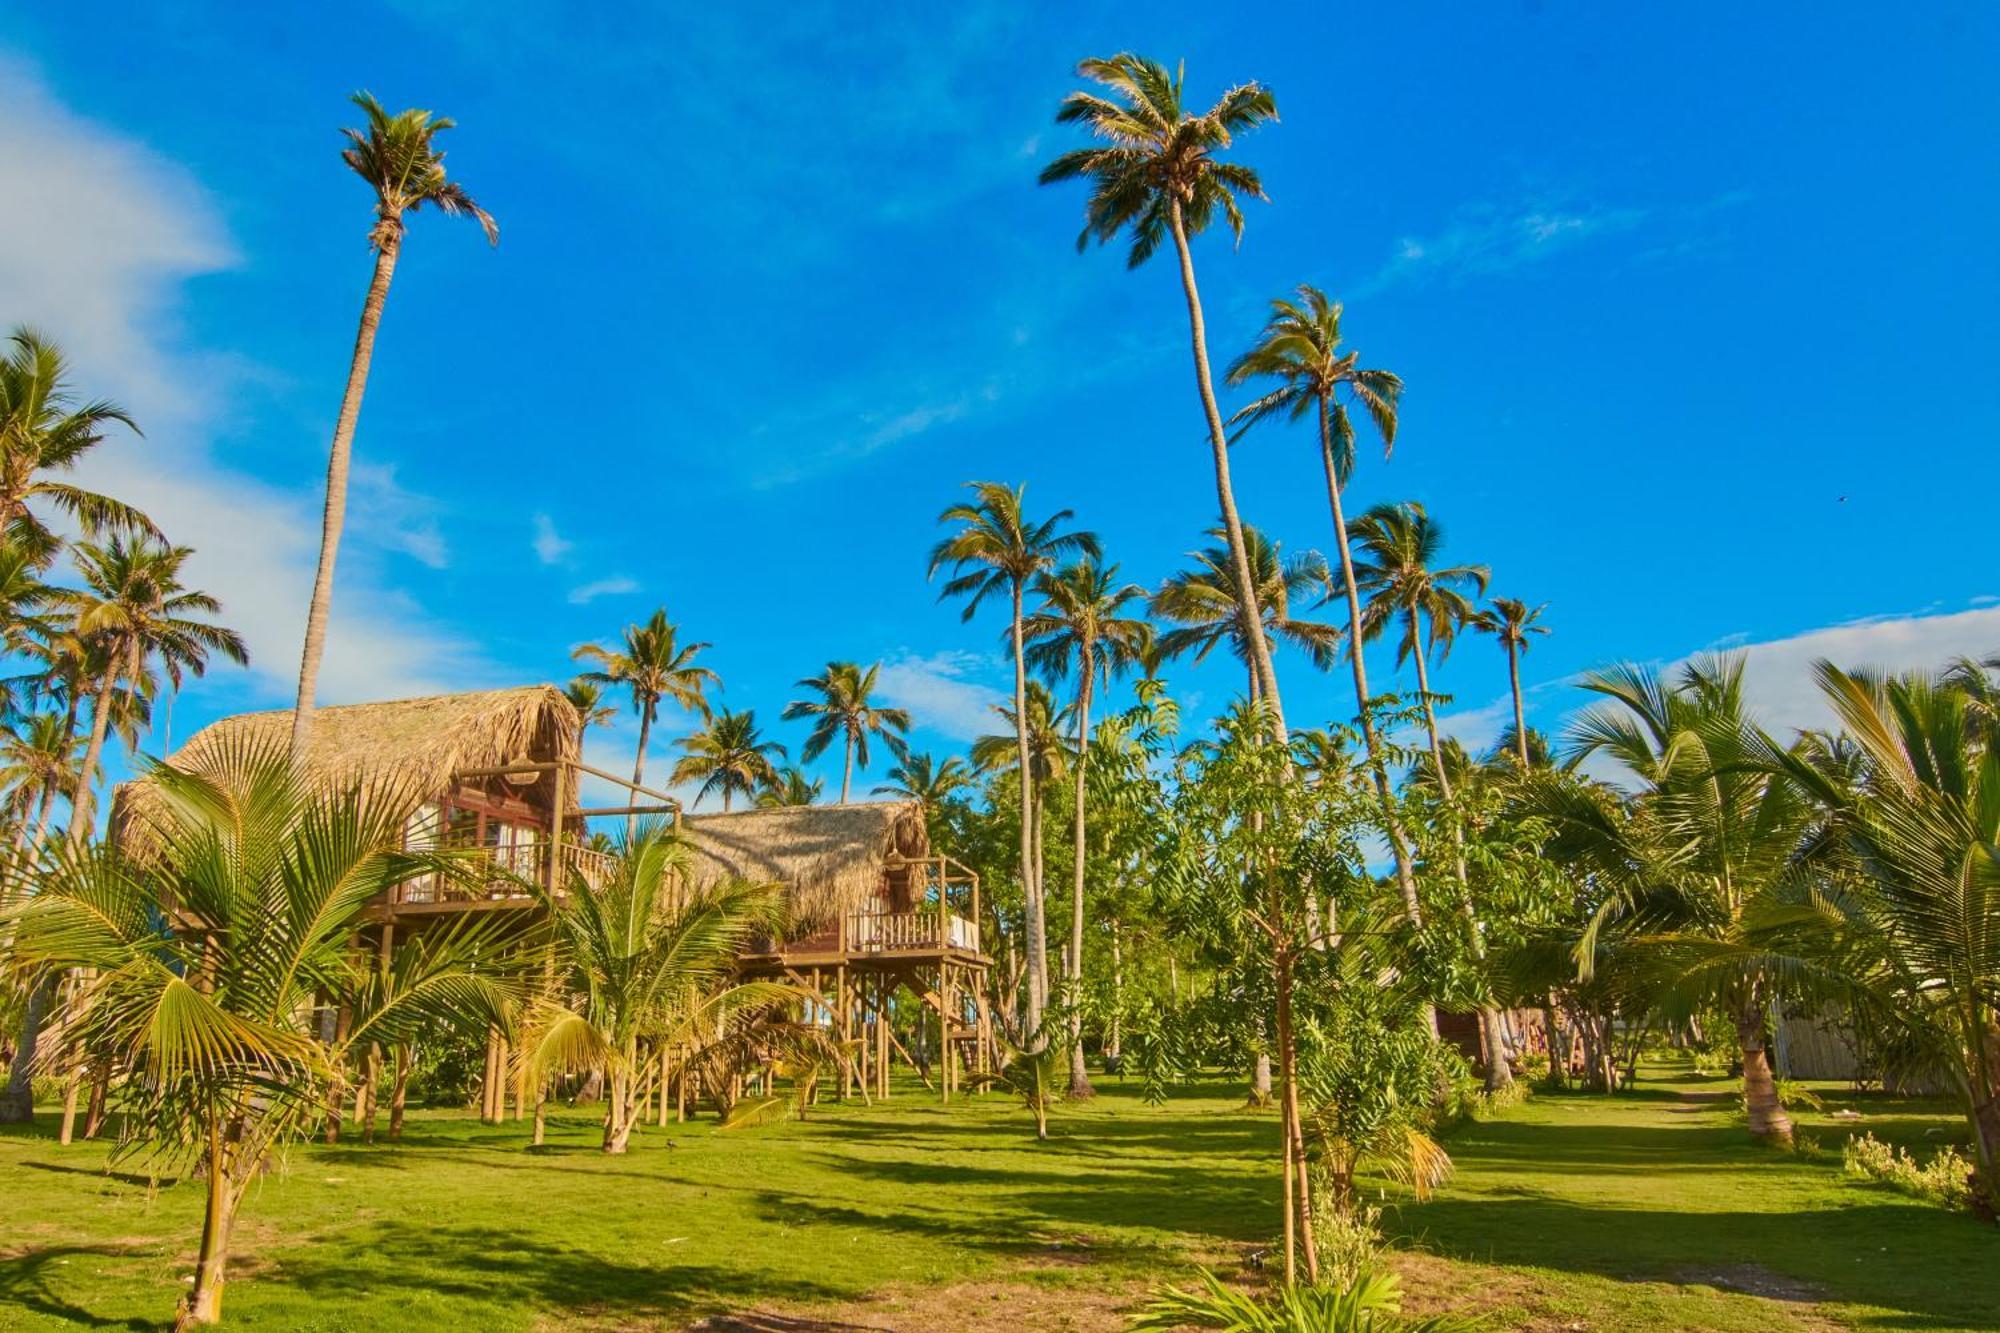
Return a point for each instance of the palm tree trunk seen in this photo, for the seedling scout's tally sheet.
(1079, 1074)
(1378, 772)
(335, 515)
(1493, 1037)
(1225, 495)
(203, 1304)
(1031, 885)
(1114, 1044)
(82, 806)
(639, 763)
(1520, 715)
(847, 770)
(1760, 1089)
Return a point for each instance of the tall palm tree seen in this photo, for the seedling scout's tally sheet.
(1082, 625)
(1512, 621)
(922, 778)
(788, 787)
(44, 430)
(586, 696)
(844, 709)
(38, 762)
(728, 755)
(1041, 721)
(268, 877)
(133, 606)
(1300, 348)
(1205, 606)
(1157, 174)
(999, 549)
(399, 158)
(651, 662)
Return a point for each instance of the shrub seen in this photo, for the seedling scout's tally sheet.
(1348, 1243)
(1946, 1179)
(1371, 1304)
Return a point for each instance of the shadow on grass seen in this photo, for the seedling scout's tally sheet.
(24, 1285)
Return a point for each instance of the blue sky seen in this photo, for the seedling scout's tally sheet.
(1692, 306)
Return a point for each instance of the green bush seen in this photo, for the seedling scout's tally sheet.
(1946, 1179)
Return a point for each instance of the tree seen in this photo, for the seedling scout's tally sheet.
(654, 665)
(38, 761)
(586, 696)
(135, 611)
(1158, 174)
(651, 968)
(266, 877)
(921, 778)
(1032, 1077)
(999, 549)
(1047, 762)
(728, 755)
(1300, 348)
(789, 786)
(845, 710)
(44, 430)
(1081, 626)
(1512, 621)
(399, 158)
(1205, 606)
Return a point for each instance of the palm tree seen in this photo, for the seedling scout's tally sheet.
(586, 696)
(999, 549)
(399, 158)
(654, 665)
(789, 787)
(1081, 624)
(1205, 606)
(38, 762)
(267, 877)
(1300, 349)
(1704, 849)
(729, 756)
(1047, 762)
(845, 710)
(134, 609)
(921, 778)
(43, 429)
(1157, 174)
(654, 968)
(1511, 621)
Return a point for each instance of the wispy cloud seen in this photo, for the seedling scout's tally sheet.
(1489, 239)
(943, 693)
(550, 545)
(609, 587)
(854, 433)
(1478, 728)
(397, 519)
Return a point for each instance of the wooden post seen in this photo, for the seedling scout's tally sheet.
(883, 987)
(559, 802)
(397, 1092)
(664, 1079)
(490, 1083)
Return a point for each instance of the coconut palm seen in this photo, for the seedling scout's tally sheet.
(399, 158)
(1300, 349)
(644, 969)
(790, 787)
(586, 696)
(134, 610)
(1705, 848)
(1512, 621)
(1157, 174)
(651, 662)
(1204, 605)
(999, 549)
(845, 710)
(1082, 626)
(38, 762)
(267, 877)
(728, 755)
(45, 430)
(921, 778)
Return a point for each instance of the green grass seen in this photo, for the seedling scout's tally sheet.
(1622, 1213)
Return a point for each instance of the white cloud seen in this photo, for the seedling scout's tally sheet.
(941, 694)
(1487, 239)
(97, 238)
(550, 545)
(1477, 729)
(611, 587)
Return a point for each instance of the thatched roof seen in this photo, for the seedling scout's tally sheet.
(421, 741)
(830, 857)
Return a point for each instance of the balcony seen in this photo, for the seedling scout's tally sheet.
(496, 875)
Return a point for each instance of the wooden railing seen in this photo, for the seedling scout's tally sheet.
(908, 932)
(512, 865)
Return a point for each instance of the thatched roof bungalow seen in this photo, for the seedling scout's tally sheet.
(832, 859)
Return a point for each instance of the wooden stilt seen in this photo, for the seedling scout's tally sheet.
(665, 1068)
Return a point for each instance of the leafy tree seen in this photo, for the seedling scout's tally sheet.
(845, 709)
(266, 877)
(998, 549)
(1082, 626)
(1157, 173)
(655, 666)
(730, 756)
(399, 158)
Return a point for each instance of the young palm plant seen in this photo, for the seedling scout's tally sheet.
(1082, 626)
(1034, 1076)
(399, 158)
(202, 959)
(1157, 173)
(644, 975)
(999, 549)
(729, 755)
(845, 710)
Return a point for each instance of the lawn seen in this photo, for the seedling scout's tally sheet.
(1646, 1210)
